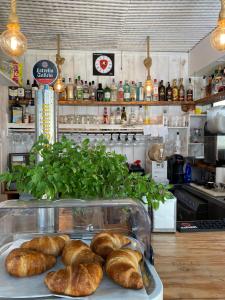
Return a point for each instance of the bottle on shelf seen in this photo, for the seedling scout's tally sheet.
(162, 91)
(113, 91)
(155, 90)
(133, 92)
(165, 118)
(188, 173)
(17, 112)
(34, 89)
(105, 116)
(140, 92)
(174, 91)
(70, 90)
(123, 116)
(80, 92)
(27, 91)
(177, 149)
(75, 89)
(100, 93)
(132, 117)
(168, 92)
(20, 92)
(181, 92)
(89, 90)
(209, 87)
(63, 94)
(126, 90)
(190, 91)
(118, 116)
(204, 87)
(13, 92)
(107, 94)
(112, 118)
(85, 91)
(93, 91)
(140, 117)
(120, 92)
(147, 116)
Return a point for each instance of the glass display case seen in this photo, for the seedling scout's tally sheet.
(80, 219)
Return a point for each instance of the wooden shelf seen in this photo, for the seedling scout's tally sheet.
(123, 103)
(5, 80)
(211, 99)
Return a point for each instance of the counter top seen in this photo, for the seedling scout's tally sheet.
(191, 265)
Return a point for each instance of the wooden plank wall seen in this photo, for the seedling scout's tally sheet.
(128, 65)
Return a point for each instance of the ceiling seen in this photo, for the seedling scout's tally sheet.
(173, 25)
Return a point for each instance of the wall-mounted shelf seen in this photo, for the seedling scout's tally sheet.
(211, 99)
(6, 80)
(124, 103)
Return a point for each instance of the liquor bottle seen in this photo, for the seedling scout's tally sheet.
(13, 92)
(69, 90)
(34, 88)
(112, 119)
(80, 92)
(133, 93)
(118, 116)
(155, 90)
(20, 92)
(174, 91)
(120, 93)
(132, 117)
(113, 91)
(93, 91)
(17, 112)
(181, 92)
(123, 116)
(204, 87)
(162, 91)
(140, 117)
(27, 91)
(168, 93)
(105, 116)
(100, 93)
(63, 94)
(165, 118)
(86, 91)
(140, 92)
(75, 89)
(107, 94)
(89, 90)
(190, 91)
(126, 90)
(177, 149)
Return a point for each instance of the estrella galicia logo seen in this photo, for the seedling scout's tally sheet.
(45, 71)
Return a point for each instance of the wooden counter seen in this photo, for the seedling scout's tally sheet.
(191, 265)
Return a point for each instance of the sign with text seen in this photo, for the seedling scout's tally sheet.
(45, 71)
(103, 64)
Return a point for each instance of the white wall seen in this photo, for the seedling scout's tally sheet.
(128, 65)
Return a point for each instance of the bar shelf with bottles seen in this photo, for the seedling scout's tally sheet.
(81, 93)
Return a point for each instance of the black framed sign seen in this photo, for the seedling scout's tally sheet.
(45, 71)
(103, 64)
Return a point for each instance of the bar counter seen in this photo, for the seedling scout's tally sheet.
(191, 265)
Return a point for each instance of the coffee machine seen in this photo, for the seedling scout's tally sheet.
(175, 171)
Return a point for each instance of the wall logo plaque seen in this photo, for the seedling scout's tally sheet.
(103, 64)
(45, 71)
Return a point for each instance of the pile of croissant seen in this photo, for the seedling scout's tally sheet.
(84, 264)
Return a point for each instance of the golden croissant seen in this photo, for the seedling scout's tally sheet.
(105, 242)
(75, 280)
(122, 266)
(25, 262)
(76, 252)
(52, 245)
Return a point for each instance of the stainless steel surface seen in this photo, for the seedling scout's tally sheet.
(173, 25)
(214, 148)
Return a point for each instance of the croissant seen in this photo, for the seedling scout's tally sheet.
(122, 266)
(75, 280)
(52, 245)
(78, 252)
(105, 242)
(25, 262)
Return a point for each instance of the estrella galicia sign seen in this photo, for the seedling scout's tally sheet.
(45, 71)
(103, 64)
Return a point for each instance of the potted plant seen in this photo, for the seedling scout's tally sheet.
(68, 170)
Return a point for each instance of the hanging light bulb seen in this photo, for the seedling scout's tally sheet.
(12, 41)
(218, 35)
(148, 87)
(59, 86)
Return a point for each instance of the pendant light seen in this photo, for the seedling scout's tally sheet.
(12, 41)
(59, 86)
(218, 35)
(148, 63)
